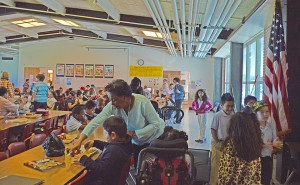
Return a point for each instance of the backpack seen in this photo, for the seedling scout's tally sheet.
(53, 146)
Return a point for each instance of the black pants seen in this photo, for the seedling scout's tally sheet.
(37, 105)
(136, 151)
(266, 170)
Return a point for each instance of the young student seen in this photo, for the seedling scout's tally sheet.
(106, 170)
(240, 163)
(201, 105)
(51, 100)
(100, 106)
(250, 101)
(26, 86)
(219, 133)
(269, 137)
(71, 101)
(77, 120)
(90, 110)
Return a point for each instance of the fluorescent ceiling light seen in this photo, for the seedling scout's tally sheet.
(28, 23)
(66, 22)
(152, 34)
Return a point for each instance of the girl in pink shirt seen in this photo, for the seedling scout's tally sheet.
(201, 106)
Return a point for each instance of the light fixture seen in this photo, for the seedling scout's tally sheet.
(28, 23)
(152, 34)
(66, 22)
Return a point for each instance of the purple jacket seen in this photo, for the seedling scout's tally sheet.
(205, 107)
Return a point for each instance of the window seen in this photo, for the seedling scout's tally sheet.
(253, 65)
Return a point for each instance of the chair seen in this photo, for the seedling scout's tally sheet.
(37, 140)
(48, 126)
(80, 179)
(155, 105)
(125, 172)
(27, 131)
(15, 148)
(3, 139)
(3, 156)
(292, 161)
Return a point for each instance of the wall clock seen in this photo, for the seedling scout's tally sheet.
(141, 62)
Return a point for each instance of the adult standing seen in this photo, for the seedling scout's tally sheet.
(26, 86)
(164, 88)
(7, 84)
(179, 95)
(40, 93)
(143, 122)
(136, 86)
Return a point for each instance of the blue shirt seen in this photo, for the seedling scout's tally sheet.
(179, 96)
(142, 118)
(41, 90)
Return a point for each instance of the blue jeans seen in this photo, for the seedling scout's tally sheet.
(178, 103)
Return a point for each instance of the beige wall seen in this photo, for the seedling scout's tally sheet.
(47, 54)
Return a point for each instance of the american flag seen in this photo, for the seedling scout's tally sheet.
(276, 74)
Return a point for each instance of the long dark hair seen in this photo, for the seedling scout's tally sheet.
(204, 97)
(245, 135)
(136, 86)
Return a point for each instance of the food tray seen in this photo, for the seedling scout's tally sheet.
(44, 164)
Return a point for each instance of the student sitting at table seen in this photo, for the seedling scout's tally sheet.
(7, 106)
(90, 110)
(77, 120)
(100, 106)
(106, 170)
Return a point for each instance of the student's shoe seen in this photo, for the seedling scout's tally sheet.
(199, 141)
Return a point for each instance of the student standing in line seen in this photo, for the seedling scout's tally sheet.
(250, 101)
(40, 93)
(240, 162)
(164, 88)
(26, 86)
(219, 132)
(269, 137)
(201, 105)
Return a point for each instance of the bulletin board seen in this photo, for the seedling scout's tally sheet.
(146, 71)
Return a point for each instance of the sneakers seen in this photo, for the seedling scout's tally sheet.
(199, 141)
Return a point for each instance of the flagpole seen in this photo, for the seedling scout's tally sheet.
(254, 84)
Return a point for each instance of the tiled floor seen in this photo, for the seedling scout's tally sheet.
(190, 125)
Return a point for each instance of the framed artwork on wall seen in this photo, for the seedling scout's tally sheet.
(109, 71)
(89, 71)
(99, 68)
(60, 70)
(69, 70)
(79, 70)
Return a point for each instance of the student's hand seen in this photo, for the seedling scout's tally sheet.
(76, 148)
(89, 144)
(277, 144)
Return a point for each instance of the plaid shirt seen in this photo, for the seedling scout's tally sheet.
(8, 85)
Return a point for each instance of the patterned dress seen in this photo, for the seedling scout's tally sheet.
(234, 170)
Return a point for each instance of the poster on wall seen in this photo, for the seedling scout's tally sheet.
(79, 70)
(99, 71)
(69, 70)
(109, 71)
(89, 71)
(60, 70)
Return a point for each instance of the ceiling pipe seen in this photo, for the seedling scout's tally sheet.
(210, 7)
(165, 25)
(193, 26)
(183, 25)
(177, 27)
(225, 21)
(191, 8)
(214, 20)
(157, 25)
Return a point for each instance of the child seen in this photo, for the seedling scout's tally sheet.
(250, 101)
(77, 120)
(51, 100)
(219, 133)
(106, 170)
(90, 110)
(240, 163)
(201, 106)
(269, 138)
(100, 106)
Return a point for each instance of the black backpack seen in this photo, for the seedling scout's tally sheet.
(53, 146)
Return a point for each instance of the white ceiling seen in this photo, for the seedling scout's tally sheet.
(110, 26)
